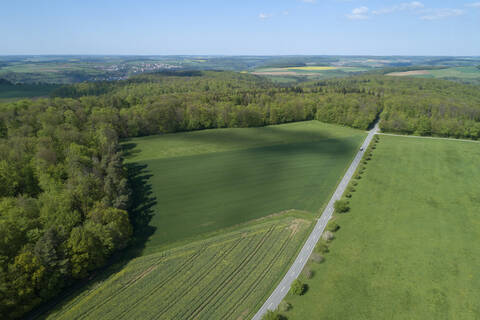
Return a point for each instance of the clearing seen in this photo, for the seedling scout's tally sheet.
(410, 240)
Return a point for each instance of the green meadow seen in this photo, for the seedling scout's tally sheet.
(408, 248)
(204, 181)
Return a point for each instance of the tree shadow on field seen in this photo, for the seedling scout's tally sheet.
(226, 194)
(140, 212)
(141, 204)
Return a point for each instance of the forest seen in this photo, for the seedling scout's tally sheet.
(64, 194)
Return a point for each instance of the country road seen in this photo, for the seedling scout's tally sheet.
(284, 286)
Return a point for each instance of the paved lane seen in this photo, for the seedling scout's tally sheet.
(282, 289)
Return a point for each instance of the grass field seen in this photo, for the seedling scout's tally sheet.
(214, 179)
(408, 248)
(312, 68)
(224, 277)
(462, 74)
(293, 74)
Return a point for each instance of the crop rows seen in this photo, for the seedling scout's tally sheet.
(220, 278)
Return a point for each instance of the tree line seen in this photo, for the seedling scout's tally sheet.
(418, 106)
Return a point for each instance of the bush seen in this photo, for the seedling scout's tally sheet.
(341, 206)
(284, 306)
(328, 236)
(317, 258)
(297, 288)
(351, 188)
(348, 195)
(332, 226)
(321, 247)
(307, 272)
(272, 315)
(354, 183)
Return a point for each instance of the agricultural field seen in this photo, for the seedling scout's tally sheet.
(289, 74)
(224, 277)
(409, 241)
(469, 74)
(209, 180)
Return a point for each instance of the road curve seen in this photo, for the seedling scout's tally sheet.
(284, 286)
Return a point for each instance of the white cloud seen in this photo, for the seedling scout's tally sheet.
(435, 14)
(473, 5)
(264, 16)
(360, 13)
(286, 13)
(309, 1)
(414, 5)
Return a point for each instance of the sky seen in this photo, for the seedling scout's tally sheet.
(240, 27)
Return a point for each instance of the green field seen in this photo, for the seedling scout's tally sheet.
(214, 179)
(408, 248)
(293, 74)
(224, 277)
(462, 74)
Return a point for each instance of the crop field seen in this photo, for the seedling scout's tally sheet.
(312, 68)
(291, 74)
(224, 277)
(209, 180)
(408, 248)
(462, 74)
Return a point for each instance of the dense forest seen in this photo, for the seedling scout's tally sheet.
(64, 194)
(418, 106)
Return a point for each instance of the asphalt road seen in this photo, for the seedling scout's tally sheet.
(284, 286)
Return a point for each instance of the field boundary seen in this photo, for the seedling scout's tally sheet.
(424, 137)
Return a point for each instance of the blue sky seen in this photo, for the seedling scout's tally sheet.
(324, 27)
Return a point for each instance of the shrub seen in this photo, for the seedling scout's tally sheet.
(333, 226)
(297, 288)
(284, 306)
(328, 236)
(317, 258)
(354, 183)
(348, 195)
(307, 272)
(321, 247)
(272, 315)
(341, 206)
(351, 188)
